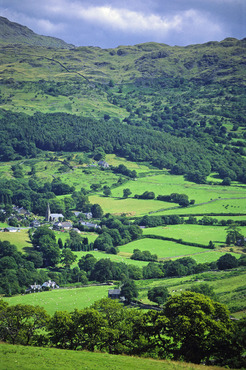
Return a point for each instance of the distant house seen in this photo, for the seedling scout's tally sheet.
(88, 215)
(21, 211)
(77, 230)
(11, 229)
(34, 288)
(103, 164)
(50, 284)
(114, 293)
(90, 225)
(35, 223)
(66, 225)
(76, 213)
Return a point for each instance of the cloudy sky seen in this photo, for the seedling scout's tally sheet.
(109, 23)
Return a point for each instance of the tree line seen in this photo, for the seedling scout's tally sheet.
(190, 327)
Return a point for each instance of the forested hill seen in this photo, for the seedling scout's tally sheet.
(182, 108)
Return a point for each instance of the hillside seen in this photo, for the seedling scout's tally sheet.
(192, 96)
(122, 168)
(14, 33)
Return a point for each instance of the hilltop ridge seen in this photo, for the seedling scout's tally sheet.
(15, 33)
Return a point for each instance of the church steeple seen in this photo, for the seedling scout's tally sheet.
(47, 215)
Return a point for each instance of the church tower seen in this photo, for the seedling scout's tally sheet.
(47, 215)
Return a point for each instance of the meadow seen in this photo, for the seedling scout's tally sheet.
(25, 358)
(208, 198)
(193, 233)
(20, 239)
(229, 287)
(62, 299)
(120, 257)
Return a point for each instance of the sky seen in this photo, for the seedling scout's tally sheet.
(110, 23)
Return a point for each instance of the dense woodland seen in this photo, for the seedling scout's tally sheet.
(22, 135)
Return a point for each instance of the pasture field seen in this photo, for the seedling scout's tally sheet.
(229, 286)
(113, 257)
(27, 358)
(20, 239)
(62, 299)
(165, 184)
(130, 206)
(208, 198)
(192, 233)
(218, 206)
(163, 248)
(170, 250)
(82, 177)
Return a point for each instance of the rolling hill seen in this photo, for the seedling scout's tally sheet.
(15, 33)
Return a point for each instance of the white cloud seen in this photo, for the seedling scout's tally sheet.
(129, 21)
(48, 27)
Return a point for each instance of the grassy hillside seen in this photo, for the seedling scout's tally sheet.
(45, 358)
(14, 33)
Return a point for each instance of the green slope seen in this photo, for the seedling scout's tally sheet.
(14, 33)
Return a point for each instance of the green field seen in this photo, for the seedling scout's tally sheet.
(192, 233)
(20, 239)
(62, 299)
(229, 286)
(163, 248)
(208, 198)
(24, 358)
(171, 250)
(113, 257)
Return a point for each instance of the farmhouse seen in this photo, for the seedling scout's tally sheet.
(66, 225)
(50, 284)
(35, 223)
(114, 293)
(34, 288)
(103, 164)
(11, 229)
(90, 225)
(45, 286)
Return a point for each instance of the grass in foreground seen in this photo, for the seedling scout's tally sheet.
(20, 357)
(62, 299)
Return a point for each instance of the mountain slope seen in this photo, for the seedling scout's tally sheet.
(194, 93)
(14, 33)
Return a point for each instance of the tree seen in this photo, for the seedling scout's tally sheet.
(234, 235)
(106, 191)
(126, 193)
(41, 232)
(67, 257)
(87, 262)
(96, 211)
(204, 289)
(19, 324)
(226, 181)
(102, 270)
(200, 327)
(129, 290)
(158, 294)
(227, 261)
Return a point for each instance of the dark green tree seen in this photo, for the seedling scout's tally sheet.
(158, 295)
(129, 290)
